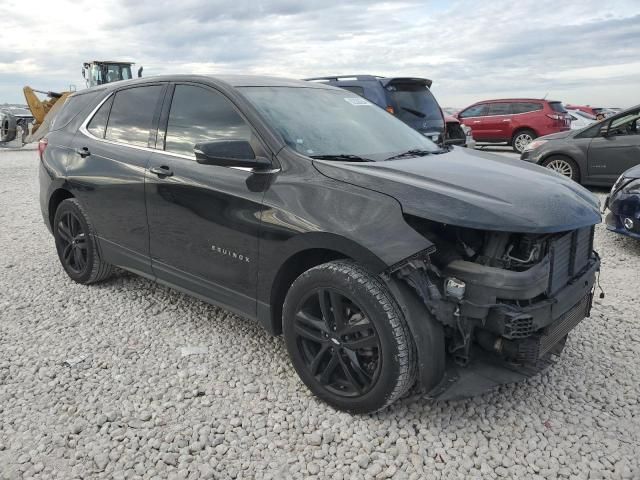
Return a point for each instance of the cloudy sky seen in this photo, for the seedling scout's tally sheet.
(584, 51)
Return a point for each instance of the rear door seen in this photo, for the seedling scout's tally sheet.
(497, 123)
(107, 172)
(474, 118)
(204, 220)
(620, 150)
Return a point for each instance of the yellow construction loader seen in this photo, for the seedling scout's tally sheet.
(19, 127)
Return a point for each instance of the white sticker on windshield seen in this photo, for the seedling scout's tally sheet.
(357, 101)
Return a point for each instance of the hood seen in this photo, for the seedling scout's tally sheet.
(470, 189)
(557, 135)
(633, 172)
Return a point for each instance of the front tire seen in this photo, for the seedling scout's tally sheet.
(564, 166)
(76, 244)
(521, 139)
(347, 338)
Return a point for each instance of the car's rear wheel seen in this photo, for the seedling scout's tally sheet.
(347, 338)
(521, 139)
(564, 166)
(76, 244)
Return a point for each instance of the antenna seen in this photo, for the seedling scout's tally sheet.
(545, 96)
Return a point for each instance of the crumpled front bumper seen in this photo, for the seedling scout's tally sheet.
(551, 320)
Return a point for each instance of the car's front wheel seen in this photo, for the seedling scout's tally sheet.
(521, 139)
(76, 244)
(347, 337)
(564, 166)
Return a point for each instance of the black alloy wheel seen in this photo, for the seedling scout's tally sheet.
(347, 337)
(72, 242)
(76, 244)
(338, 344)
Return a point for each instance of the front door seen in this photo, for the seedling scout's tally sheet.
(474, 117)
(497, 123)
(204, 220)
(611, 155)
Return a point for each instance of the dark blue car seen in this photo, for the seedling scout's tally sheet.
(624, 204)
(409, 99)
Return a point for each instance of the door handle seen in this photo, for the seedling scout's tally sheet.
(507, 120)
(476, 121)
(162, 171)
(83, 152)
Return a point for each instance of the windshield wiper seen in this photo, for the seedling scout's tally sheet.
(415, 112)
(411, 153)
(344, 156)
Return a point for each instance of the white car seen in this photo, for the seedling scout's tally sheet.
(580, 119)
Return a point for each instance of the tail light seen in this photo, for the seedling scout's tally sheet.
(42, 146)
(390, 110)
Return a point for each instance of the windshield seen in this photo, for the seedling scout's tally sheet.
(416, 106)
(319, 122)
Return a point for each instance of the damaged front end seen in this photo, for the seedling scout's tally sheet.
(506, 301)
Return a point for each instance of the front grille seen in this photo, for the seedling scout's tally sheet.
(518, 326)
(570, 254)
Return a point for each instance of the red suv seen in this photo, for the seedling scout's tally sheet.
(516, 121)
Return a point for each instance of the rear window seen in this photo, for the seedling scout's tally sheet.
(73, 105)
(524, 107)
(414, 101)
(557, 107)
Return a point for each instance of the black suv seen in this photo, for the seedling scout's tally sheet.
(384, 260)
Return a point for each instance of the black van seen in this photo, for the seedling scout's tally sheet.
(409, 99)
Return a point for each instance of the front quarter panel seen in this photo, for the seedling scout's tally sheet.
(305, 210)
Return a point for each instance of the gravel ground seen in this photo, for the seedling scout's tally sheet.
(128, 379)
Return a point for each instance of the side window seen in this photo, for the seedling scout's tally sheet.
(132, 113)
(500, 109)
(525, 107)
(356, 90)
(200, 115)
(98, 124)
(625, 125)
(475, 111)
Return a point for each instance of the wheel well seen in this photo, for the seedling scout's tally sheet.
(561, 155)
(289, 271)
(522, 129)
(56, 198)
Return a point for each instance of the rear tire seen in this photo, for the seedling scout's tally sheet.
(76, 244)
(521, 139)
(564, 166)
(347, 338)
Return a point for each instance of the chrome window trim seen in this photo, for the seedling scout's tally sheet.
(83, 129)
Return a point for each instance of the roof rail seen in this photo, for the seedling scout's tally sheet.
(343, 78)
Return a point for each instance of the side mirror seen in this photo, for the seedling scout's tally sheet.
(604, 130)
(229, 153)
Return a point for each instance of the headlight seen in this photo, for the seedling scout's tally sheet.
(632, 187)
(535, 144)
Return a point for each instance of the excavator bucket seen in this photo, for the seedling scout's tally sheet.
(43, 111)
